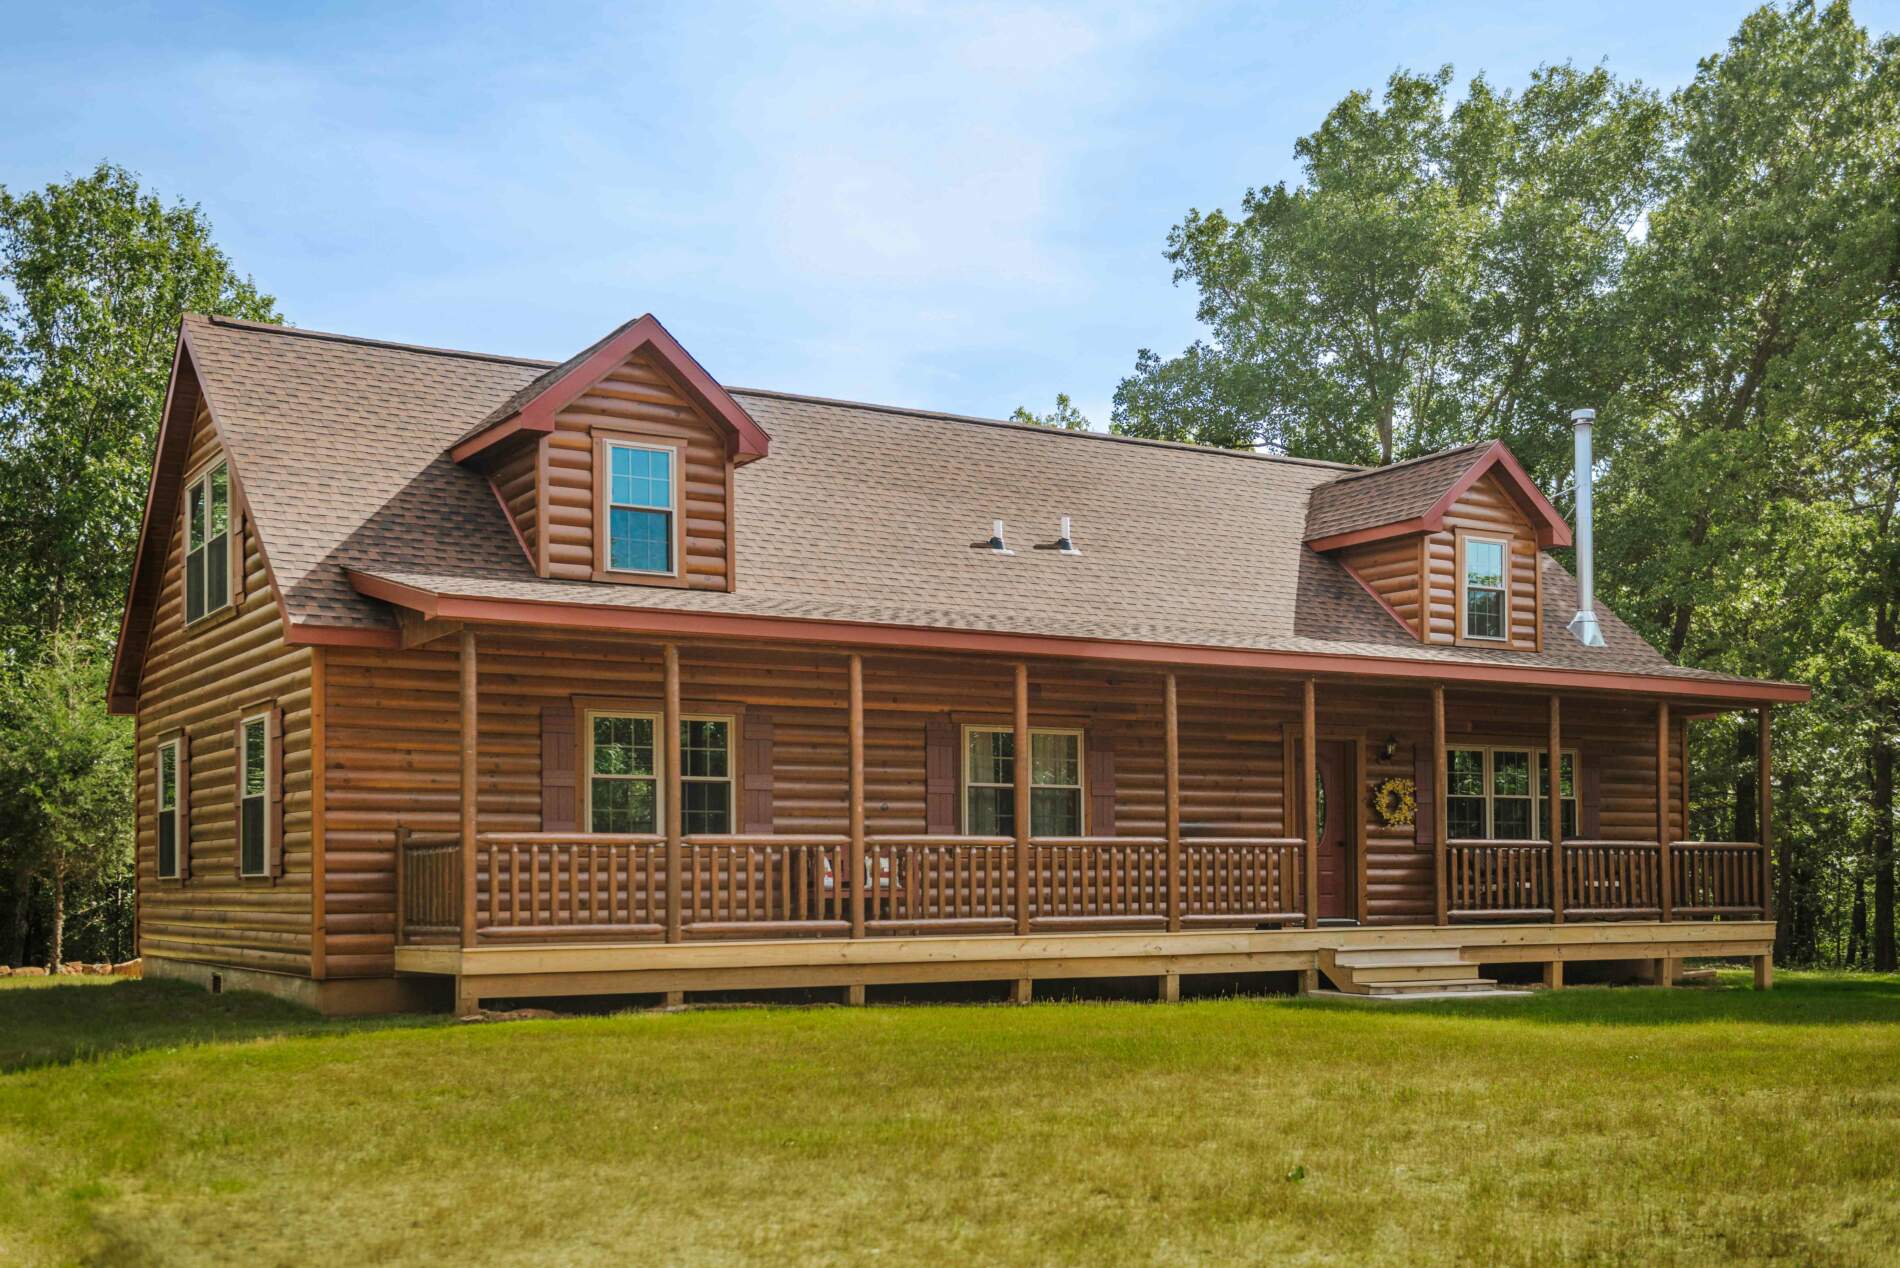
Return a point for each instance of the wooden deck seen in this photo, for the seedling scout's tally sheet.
(606, 968)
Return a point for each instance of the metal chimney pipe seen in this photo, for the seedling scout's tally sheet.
(1584, 624)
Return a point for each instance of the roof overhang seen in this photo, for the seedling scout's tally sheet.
(1550, 527)
(664, 623)
(745, 439)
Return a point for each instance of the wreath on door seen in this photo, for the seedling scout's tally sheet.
(1396, 801)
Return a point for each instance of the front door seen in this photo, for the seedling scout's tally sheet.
(1336, 806)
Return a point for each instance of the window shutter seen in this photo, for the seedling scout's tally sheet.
(755, 767)
(940, 776)
(237, 560)
(237, 798)
(1425, 782)
(560, 808)
(1101, 776)
(1590, 797)
(184, 806)
(274, 791)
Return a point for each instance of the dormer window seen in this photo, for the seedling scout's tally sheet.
(639, 496)
(1482, 602)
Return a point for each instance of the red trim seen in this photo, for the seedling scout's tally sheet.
(118, 700)
(746, 439)
(1550, 527)
(718, 625)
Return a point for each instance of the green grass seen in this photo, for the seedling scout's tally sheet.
(147, 1123)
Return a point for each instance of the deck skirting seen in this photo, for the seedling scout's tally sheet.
(491, 972)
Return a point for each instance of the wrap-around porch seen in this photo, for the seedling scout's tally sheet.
(1030, 903)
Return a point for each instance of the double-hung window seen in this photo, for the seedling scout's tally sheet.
(989, 782)
(171, 826)
(1501, 793)
(641, 486)
(626, 776)
(254, 776)
(208, 543)
(1482, 598)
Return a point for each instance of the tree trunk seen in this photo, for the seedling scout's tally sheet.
(1883, 849)
(1886, 726)
(59, 917)
(1385, 433)
(1857, 926)
(15, 954)
(1745, 826)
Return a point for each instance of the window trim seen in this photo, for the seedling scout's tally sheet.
(1464, 538)
(262, 718)
(203, 479)
(1539, 831)
(176, 812)
(606, 439)
(1081, 785)
(660, 782)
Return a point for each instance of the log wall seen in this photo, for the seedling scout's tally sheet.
(198, 682)
(1393, 570)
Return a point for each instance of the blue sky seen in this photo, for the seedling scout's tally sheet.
(954, 206)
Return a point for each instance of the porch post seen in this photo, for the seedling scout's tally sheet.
(857, 796)
(470, 788)
(670, 723)
(1309, 803)
(1440, 810)
(1765, 813)
(1171, 746)
(1556, 825)
(1020, 765)
(1667, 889)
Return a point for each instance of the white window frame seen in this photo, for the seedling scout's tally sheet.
(1503, 591)
(1537, 794)
(174, 810)
(262, 720)
(730, 779)
(203, 481)
(1081, 772)
(675, 460)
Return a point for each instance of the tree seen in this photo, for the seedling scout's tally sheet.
(1440, 271)
(1065, 415)
(94, 274)
(66, 768)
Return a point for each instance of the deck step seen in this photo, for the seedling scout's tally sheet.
(1438, 970)
(1399, 955)
(1446, 986)
(1391, 971)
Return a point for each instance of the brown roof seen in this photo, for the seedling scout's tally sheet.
(1384, 495)
(862, 514)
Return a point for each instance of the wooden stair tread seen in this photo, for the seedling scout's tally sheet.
(1387, 956)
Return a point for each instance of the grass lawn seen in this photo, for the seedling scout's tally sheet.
(145, 1122)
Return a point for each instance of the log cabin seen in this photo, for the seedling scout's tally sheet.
(462, 678)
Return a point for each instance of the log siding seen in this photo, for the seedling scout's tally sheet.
(198, 682)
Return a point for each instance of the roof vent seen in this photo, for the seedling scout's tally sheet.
(1065, 540)
(996, 538)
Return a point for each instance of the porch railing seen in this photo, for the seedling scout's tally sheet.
(1604, 880)
(611, 887)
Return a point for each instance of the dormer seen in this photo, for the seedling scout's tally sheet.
(616, 465)
(1451, 544)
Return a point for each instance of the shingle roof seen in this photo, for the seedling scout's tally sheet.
(1383, 495)
(861, 513)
